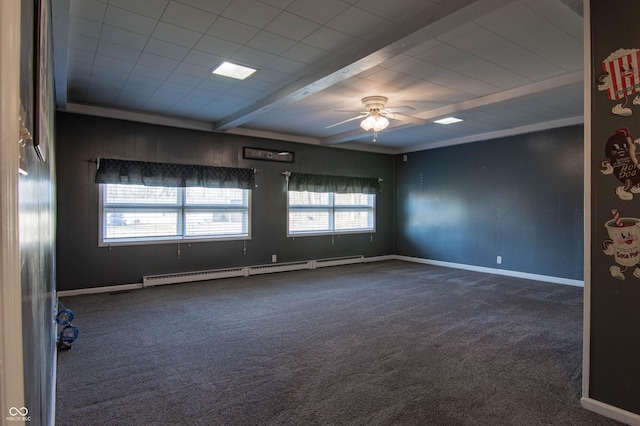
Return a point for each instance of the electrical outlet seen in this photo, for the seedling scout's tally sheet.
(274, 258)
(499, 260)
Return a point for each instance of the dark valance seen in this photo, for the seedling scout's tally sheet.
(338, 184)
(172, 175)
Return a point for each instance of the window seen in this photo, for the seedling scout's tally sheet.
(313, 213)
(134, 214)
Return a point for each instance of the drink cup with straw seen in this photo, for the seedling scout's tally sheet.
(616, 218)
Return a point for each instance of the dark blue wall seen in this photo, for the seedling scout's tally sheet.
(81, 263)
(519, 197)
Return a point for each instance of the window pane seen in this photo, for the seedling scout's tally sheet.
(353, 200)
(216, 196)
(201, 223)
(139, 194)
(309, 198)
(137, 224)
(300, 221)
(349, 220)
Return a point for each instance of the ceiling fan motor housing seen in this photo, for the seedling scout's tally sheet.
(372, 103)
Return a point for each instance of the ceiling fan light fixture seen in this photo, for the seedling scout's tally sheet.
(375, 123)
(228, 69)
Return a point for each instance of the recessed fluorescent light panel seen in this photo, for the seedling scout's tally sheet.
(448, 120)
(238, 72)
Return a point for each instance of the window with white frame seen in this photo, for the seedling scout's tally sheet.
(137, 214)
(315, 213)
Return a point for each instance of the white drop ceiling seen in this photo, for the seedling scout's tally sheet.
(505, 67)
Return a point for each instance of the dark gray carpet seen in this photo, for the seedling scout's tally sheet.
(386, 343)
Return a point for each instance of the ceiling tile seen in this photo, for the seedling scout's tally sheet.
(150, 8)
(88, 9)
(141, 79)
(217, 46)
(157, 62)
(84, 27)
(114, 63)
(123, 37)
(189, 17)
(217, 6)
(166, 49)
(81, 56)
(118, 51)
(468, 37)
(251, 12)
(398, 11)
(129, 21)
(271, 43)
(109, 73)
(203, 59)
(80, 70)
(81, 42)
(189, 104)
(151, 72)
(252, 57)
(245, 92)
(190, 70)
(174, 88)
(309, 54)
(361, 24)
(216, 84)
(289, 66)
(563, 52)
(227, 29)
(185, 79)
(291, 26)
(175, 34)
(317, 11)
(333, 41)
(270, 76)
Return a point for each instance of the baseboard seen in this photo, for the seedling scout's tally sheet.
(96, 290)
(610, 411)
(506, 272)
(378, 258)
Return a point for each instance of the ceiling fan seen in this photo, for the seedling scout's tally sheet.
(376, 117)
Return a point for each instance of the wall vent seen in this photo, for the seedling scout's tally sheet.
(185, 277)
(336, 261)
(278, 267)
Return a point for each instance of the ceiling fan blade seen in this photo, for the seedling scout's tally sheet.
(409, 119)
(403, 108)
(347, 120)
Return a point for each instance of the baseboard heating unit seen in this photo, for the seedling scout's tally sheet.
(337, 261)
(185, 277)
(213, 274)
(278, 267)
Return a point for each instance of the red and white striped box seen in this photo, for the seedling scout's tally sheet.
(623, 67)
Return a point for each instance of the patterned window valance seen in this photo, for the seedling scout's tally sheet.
(338, 184)
(172, 175)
